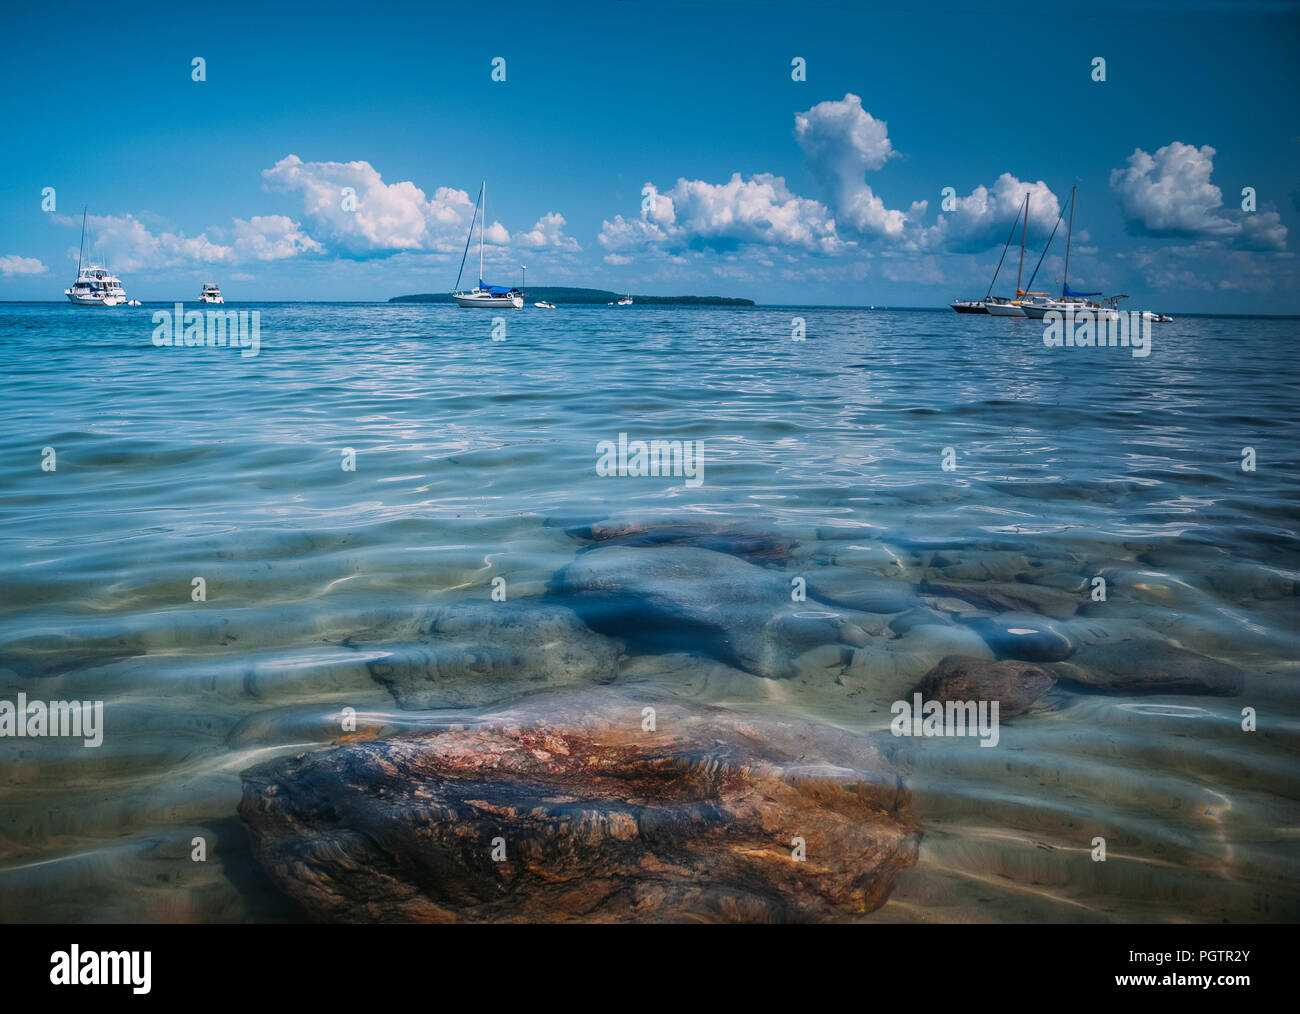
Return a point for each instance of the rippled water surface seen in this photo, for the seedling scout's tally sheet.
(475, 459)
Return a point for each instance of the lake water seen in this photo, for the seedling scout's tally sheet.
(475, 458)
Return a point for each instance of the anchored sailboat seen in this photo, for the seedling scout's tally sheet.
(94, 286)
(1071, 301)
(996, 306)
(492, 297)
(981, 305)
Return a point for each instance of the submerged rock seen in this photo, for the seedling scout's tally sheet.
(1009, 595)
(479, 652)
(1023, 636)
(921, 616)
(738, 538)
(1141, 666)
(681, 598)
(862, 592)
(592, 819)
(1016, 685)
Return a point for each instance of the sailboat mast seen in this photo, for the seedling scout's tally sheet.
(482, 224)
(1065, 282)
(81, 249)
(1025, 228)
(1005, 246)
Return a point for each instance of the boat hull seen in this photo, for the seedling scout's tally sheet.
(1004, 310)
(1073, 311)
(487, 301)
(967, 307)
(80, 300)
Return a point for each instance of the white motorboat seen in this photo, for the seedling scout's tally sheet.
(211, 293)
(133, 302)
(625, 301)
(542, 304)
(484, 296)
(95, 285)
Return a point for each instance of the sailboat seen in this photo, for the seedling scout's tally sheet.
(1070, 302)
(491, 297)
(1011, 308)
(981, 305)
(95, 285)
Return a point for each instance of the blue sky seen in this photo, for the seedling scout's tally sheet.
(828, 190)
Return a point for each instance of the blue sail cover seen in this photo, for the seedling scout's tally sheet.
(1069, 293)
(496, 290)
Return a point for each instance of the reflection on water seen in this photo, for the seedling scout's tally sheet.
(475, 460)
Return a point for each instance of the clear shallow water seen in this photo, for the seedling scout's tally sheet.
(474, 455)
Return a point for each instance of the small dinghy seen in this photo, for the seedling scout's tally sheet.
(542, 304)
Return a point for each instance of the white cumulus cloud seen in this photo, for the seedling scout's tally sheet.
(548, 233)
(376, 217)
(1170, 194)
(12, 264)
(984, 217)
(271, 238)
(698, 214)
(841, 142)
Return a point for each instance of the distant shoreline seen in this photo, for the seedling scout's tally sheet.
(561, 294)
(443, 300)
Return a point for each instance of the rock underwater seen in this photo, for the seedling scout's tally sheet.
(751, 542)
(1015, 685)
(598, 820)
(684, 598)
(475, 653)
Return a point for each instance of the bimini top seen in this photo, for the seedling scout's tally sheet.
(496, 290)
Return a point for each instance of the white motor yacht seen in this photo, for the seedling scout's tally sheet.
(211, 293)
(95, 284)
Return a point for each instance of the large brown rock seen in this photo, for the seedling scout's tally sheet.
(1015, 685)
(600, 820)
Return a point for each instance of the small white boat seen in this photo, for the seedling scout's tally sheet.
(484, 296)
(1158, 318)
(542, 304)
(1004, 308)
(488, 298)
(625, 301)
(211, 293)
(133, 302)
(95, 285)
